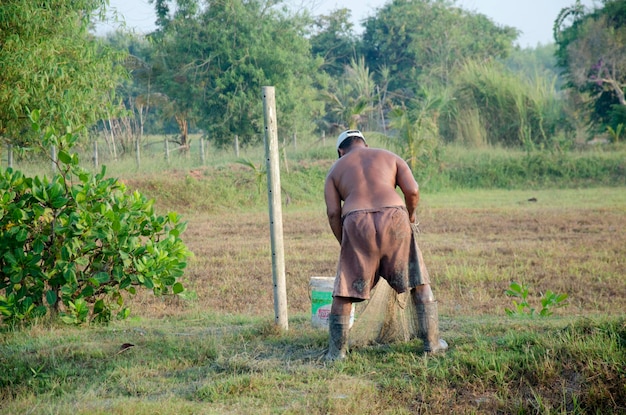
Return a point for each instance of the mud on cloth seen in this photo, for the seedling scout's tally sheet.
(378, 243)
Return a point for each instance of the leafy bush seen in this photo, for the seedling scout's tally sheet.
(75, 243)
(549, 301)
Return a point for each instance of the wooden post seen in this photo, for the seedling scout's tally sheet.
(167, 151)
(202, 156)
(323, 138)
(236, 145)
(275, 208)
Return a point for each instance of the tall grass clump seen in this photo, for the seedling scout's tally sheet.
(495, 106)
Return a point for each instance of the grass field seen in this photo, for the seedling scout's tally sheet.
(217, 351)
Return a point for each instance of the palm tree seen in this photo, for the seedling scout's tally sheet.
(417, 129)
(352, 100)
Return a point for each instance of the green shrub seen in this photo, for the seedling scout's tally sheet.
(74, 243)
(489, 170)
(549, 301)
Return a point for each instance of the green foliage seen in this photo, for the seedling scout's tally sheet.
(212, 62)
(591, 52)
(76, 243)
(421, 42)
(334, 41)
(349, 100)
(519, 291)
(549, 301)
(615, 134)
(48, 60)
(260, 172)
(417, 132)
(480, 169)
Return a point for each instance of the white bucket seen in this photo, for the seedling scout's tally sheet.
(321, 293)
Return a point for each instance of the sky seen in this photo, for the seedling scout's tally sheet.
(534, 18)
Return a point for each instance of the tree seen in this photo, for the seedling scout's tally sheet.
(592, 52)
(334, 41)
(214, 59)
(49, 61)
(349, 100)
(143, 106)
(424, 41)
(417, 131)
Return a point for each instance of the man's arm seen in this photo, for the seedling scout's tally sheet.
(409, 187)
(333, 207)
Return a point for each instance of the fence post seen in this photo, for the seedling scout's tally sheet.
(167, 151)
(202, 155)
(275, 209)
(236, 145)
(323, 137)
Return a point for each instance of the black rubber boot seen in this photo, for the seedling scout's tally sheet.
(428, 319)
(338, 329)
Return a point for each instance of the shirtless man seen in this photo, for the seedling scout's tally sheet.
(373, 223)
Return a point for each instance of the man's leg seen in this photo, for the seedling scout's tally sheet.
(428, 319)
(338, 328)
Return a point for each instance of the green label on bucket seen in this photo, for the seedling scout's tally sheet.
(320, 299)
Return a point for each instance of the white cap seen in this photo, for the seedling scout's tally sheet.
(347, 134)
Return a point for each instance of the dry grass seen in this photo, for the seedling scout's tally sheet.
(473, 254)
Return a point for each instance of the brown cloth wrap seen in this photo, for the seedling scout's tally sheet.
(375, 243)
(388, 316)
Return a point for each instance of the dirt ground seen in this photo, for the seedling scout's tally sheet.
(472, 256)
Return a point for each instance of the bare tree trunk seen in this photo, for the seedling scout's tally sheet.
(53, 156)
(181, 120)
(381, 112)
(112, 146)
(141, 109)
(236, 145)
(202, 155)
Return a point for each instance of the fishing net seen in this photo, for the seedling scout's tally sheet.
(389, 317)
